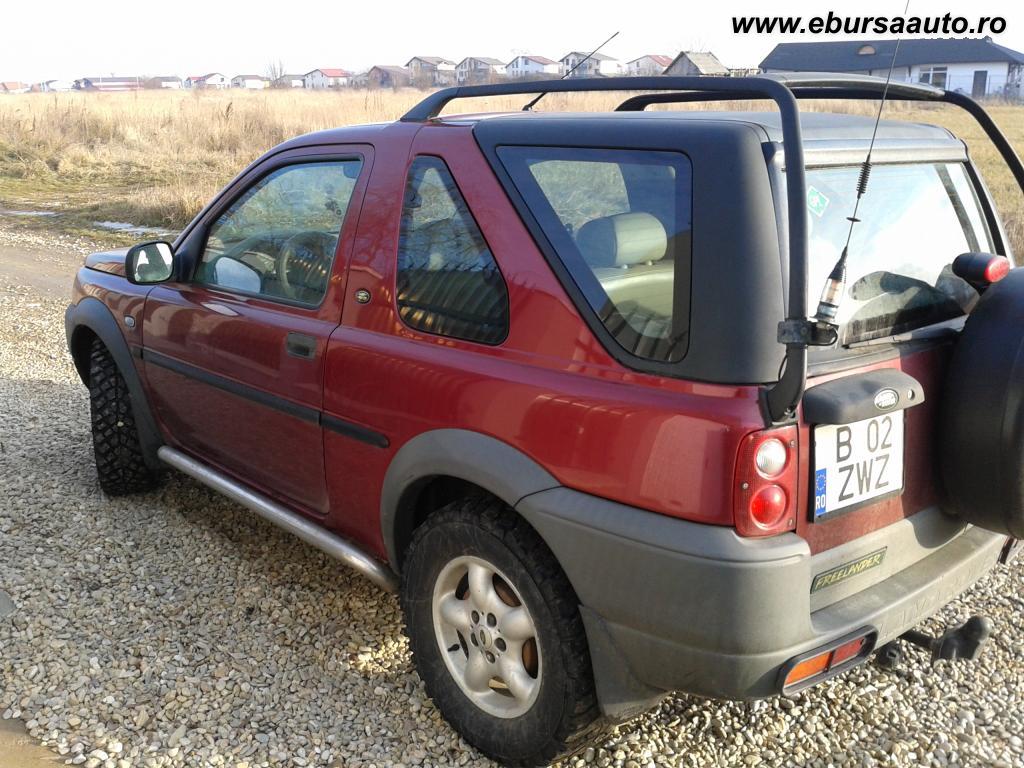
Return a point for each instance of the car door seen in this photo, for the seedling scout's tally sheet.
(233, 355)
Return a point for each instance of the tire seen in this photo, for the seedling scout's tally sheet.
(115, 439)
(550, 712)
(981, 445)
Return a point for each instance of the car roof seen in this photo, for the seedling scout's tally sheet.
(816, 126)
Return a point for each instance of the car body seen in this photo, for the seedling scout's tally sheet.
(360, 410)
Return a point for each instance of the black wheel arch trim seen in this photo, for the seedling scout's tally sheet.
(474, 457)
(93, 315)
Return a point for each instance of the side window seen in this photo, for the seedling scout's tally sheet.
(278, 240)
(620, 222)
(448, 282)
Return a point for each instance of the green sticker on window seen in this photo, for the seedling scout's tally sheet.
(817, 202)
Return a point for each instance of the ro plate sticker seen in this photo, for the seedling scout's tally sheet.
(816, 202)
(819, 493)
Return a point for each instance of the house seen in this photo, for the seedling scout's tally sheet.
(478, 69)
(172, 82)
(251, 82)
(388, 76)
(648, 65)
(696, 64)
(597, 65)
(977, 66)
(288, 81)
(327, 78)
(532, 66)
(13, 86)
(212, 80)
(430, 70)
(108, 84)
(54, 86)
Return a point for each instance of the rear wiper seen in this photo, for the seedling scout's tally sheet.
(936, 331)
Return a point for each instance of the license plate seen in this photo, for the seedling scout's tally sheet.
(854, 463)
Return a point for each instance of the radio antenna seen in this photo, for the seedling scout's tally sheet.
(579, 64)
(835, 286)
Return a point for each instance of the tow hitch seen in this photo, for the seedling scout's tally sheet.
(964, 642)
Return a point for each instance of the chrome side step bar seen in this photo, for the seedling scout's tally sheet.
(269, 510)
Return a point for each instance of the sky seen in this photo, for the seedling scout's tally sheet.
(59, 39)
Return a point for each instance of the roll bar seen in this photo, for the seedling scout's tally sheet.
(796, 332)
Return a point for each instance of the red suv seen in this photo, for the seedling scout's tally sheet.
(554, 377)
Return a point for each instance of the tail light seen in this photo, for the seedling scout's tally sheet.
(981, 269)
(764, 500)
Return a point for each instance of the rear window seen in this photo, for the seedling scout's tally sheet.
(914, 220)
(619, 220)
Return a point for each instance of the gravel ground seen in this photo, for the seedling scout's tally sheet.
(175, 629)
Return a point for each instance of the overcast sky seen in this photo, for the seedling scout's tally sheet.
(67, 40)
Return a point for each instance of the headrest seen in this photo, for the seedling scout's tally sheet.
(622, 240)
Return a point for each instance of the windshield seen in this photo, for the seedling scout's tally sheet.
(914, 220)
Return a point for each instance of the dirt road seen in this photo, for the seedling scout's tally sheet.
(49, 272)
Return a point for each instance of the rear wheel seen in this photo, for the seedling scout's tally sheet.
(115, 439)
(496, 634)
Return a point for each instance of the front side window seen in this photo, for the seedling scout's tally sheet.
(620, 222)
(447, 281)
(279, 238)
(914, 220)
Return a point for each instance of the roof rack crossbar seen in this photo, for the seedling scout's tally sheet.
(641, 101)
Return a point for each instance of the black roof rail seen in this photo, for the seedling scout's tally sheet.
(779, 400)
(433, 104)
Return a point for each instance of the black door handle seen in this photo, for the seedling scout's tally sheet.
(300, 345)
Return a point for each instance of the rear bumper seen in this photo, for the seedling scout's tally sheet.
(671, 605)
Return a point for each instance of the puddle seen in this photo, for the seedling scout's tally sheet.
(130, 229)
(8, 212)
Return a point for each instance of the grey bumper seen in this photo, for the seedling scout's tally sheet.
(671, 605)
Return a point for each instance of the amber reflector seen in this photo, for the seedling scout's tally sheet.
(808, 668)
(847, 651)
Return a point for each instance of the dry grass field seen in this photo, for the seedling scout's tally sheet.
(153, 158)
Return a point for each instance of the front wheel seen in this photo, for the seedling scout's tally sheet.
(115, 439)
(496, 634)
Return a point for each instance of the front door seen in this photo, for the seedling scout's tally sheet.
(234, 355)
(980, 86)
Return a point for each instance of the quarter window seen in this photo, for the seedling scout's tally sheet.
(448, 282)
(278, 239)
(619, 220)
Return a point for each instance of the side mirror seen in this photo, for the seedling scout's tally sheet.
(149, 263)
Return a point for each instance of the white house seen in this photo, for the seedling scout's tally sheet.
(649, 65)
(431, 70)
(975, 66)
(252, 82)
(478, 69)
(532, 66)
(597, 65)
(13, 86)
(327, 78)
(212, 80)
(54, 86)
(696, 64)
